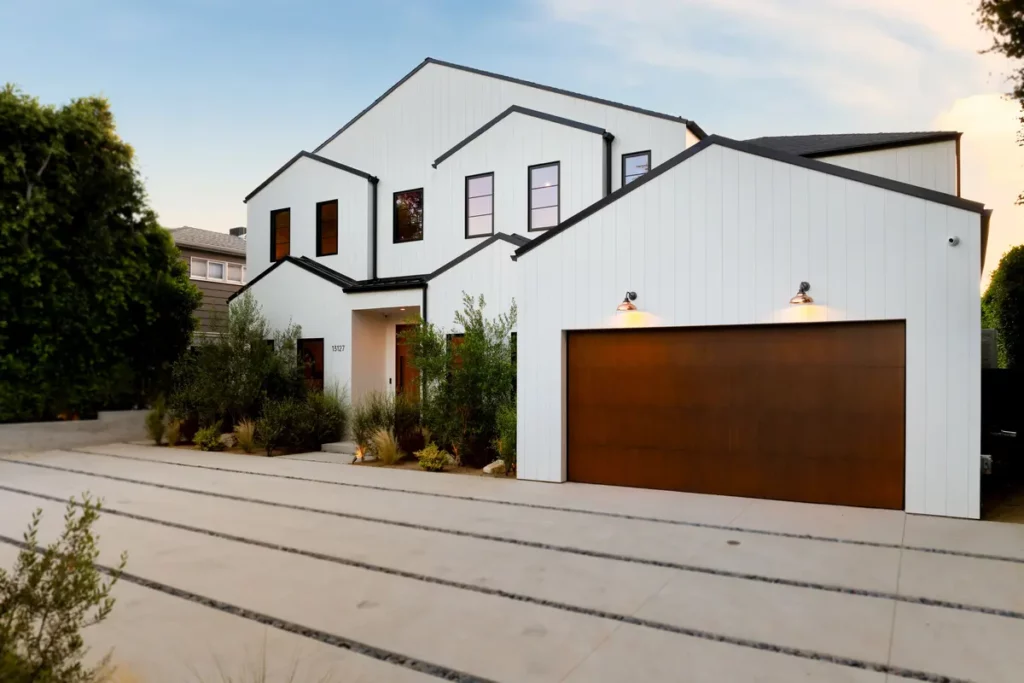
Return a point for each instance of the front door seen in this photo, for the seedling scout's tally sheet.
(407, 378)
(311, 360)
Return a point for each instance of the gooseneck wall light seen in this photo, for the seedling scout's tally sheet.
(627, 303)
(801, 296)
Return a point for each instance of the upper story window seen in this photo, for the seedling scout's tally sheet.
(408, 216)
(635, 165)
(480, 205)
(544, 196)
(218, 271)
(280, 234)
(327, 228)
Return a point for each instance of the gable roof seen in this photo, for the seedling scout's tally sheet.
(314, 157)
(691, 125)
(768, 153)
(208, 240)
(845, 143)
(516, 109)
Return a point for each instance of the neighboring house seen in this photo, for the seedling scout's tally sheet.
(721, 381)
(216, 262)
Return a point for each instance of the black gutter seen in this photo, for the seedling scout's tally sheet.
(608, 138)
(373, 218)
(314, 157)
(424, 311)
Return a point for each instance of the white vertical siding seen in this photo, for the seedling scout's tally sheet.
(489, 272)
(868, 253)
(931, 165)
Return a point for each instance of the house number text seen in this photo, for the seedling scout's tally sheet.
(337, 347)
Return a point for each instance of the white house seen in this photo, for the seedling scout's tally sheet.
(864, 390)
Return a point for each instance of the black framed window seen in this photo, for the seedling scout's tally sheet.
(408, 216)
(479, 205)
(635, 165)
(311, 361)
(327, 228)
(280, 234)
(544, 211)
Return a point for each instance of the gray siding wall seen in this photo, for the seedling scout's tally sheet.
(213, 311)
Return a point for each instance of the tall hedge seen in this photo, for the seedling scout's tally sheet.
(95, 301)
(1002, 308)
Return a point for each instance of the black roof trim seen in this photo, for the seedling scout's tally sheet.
(514, 240)
(833, 144)
(314, 157)
(768, 153)
(516, 109)
(387, 284)
(325, 272)
(694, 128)
(876, 147)
(256, 279)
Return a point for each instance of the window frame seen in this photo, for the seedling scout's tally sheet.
(394, 215)
(650, 165)
(319, 229)
(206, 278)
(224, 270)
(273, 233)
(529, 196)
(227, 270)
(193, 259)
(467, 197)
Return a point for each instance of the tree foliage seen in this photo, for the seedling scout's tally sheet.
(465, 382)
(49, 597)
(1003, 308)
(95, 301)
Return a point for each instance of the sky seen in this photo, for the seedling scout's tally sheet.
(214, 95)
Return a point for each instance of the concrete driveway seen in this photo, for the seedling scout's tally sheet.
(369, 574)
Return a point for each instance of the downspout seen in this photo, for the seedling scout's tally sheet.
(424, 310)
(608, 137)
(373, 221)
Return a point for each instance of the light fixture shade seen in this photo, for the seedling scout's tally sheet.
(627, 303)
(801, 296)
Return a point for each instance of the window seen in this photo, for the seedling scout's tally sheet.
(480, 205)
(408, 216)
(280, 234)
(311, 360)
(198, 268)
(635, 165)
(235, 271)
(543, 199)
(327, 228)
(220, 271)
(215, 271)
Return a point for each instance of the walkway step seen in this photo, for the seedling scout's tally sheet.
(345, 447)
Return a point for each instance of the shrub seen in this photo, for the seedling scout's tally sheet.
(375, 411)
(1003, 308)
(173, 432)
(274, 428)
(433, 459)
(208, 439)
(155, 426)
(384, 446)
(324, 419)
(50, 595)
(505, 441)
(245, 435)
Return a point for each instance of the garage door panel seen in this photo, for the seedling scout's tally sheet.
(793, 412)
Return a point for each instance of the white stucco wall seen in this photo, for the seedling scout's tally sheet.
(933, 166)
(490, 272)
(724, 238)
(300, 188)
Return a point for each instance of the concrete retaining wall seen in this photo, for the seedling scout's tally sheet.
(118, 425)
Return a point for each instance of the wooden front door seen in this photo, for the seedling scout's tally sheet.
(311, 359)
(811, 413)
(407, 378)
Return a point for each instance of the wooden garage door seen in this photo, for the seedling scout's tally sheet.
(810, 413)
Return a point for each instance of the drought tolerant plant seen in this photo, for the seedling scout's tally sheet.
(384, 445)
(273, 429)
(324, 419)
(505, 441)
(433, 459)
(173, 432)
(245, 435)
(374, 412)
(155, 426)
(208, 439)
(49, 596)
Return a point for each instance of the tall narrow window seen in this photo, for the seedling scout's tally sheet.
(311, 360)
(480, 205)
(327, 228)
(408, 216)
(544, 196)
(635, 165)
(280, 234)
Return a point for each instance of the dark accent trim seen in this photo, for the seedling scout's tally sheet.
(314, 157)
(879, 146)
(529, 196)
(423, 311)
(273, 232)
(622, 172)
(529, 599)
(323, 271)
(516, 109)
(394, 215)
(608, 165)
(387, 284)
(256, 279)
(511, 239)
(958, 136)
(373, 219)
(986, 219)
(694, 128)
(767, 153)
(319, 227)
(493, 188)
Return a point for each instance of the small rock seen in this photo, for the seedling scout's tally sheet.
(227, 439)
(497, 467)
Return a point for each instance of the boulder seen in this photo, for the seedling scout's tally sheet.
(227, 439)
(495, 468)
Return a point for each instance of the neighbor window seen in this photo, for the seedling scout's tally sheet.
(198, 267)
(280, 234)
(543, 199)
(327, 228)
(235, 272)
(408, 216)
(205, 269)
(635, 165)
(215, 271)
(480, 205)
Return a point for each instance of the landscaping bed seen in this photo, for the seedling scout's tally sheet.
(413, 464)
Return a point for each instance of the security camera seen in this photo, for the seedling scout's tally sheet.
(953, 241)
